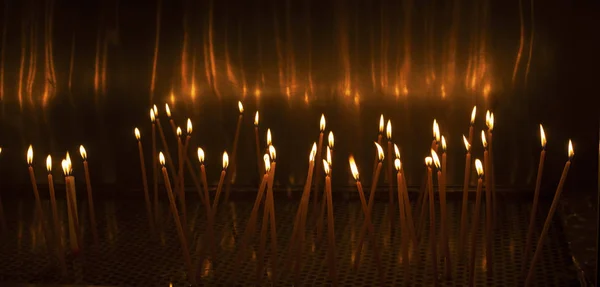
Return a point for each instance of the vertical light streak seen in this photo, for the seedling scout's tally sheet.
(156, 43)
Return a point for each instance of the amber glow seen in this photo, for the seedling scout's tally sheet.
(201, 155)
(473, 113)
(443, 144)
(267, 160)
(65, 166)
(542, 136)
(256, 119)
(161, 158)
(353, 168)
(380, 154)
(179, 131)
(49, 163)
(571, 151)
(381, 124)
(189, 126)
(240, 107)
(155, 110)
(428, 161)
(82, 152)
(491, 123)
(483, 140)
(396, 151)
(330, 140)
(326, 167)
(479, 167)
(167, 110)
(137, 134)
(397, 164)
(30, 155)
(467, 144)
(388, 130)
(436, 131)
(68, 158)
(152, 116)
(269, 139)
(313, 152)
(328, 156)
(322, 123)
(436, 159)
(272, 153)
(69, 165)
(225, 160)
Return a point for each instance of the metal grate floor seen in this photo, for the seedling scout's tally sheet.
(128, 254)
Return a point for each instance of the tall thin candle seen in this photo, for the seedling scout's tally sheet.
(488, 206)
(181, 197)
(209, 214)
(232, 171)
(403, 223)
(220, 185)
(88, 185)
(475, 223)
(432, 237)
(465, 198)
(390, 163)
(38, 202)
(490, 124)
(272, 221)
(330, 226)
(472, 124)
(74, 233)
(322, 125)
(154, 161)
(379, 141)
(144, 179)
(261, 168)
(442, 193)
(169, 159)
(57, 233)
(168, 112)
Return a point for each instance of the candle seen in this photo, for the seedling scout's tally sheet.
(168, 112)
(271, 205)
(232, 172)
(330, 226)
(74, 233)
(206, 202)
(322, 125)
(403, 226)
(436, 136)
(443, 227)
(379, 139)
(473, 114)
(175, 213)
(432, 237)
(169, 159)
(153, 113)
(536, 194)
(323, 203)
(88, 185)
(220, 185)
(559, 189)
(261, 168)
(490, 125)
(475, 223)
(390, 161)
(38, 202)
(406, 201)
(57, 233)
(144, 179)
(363, 230)
(465, 197)
(488, 205)
(181, 161)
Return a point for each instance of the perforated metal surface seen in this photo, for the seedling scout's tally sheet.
(129, 254)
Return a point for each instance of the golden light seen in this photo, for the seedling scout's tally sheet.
(571, 151)
(161, 158)
(328, 156)
(272, 153)
(30, 155)
(269, 139)
(388, 130)
(225, 160)
(322, 123)
(443, 144)
(381, 123)
(396, 151)
(330, 140)
(137, 134)
(189, 127)
(200, 155)
(65, 166)
(483, 140)
(313, 152)
(326, 167)
(428, 161)
(479, 167)
(240, 107)
(380, 154)
(82, 152)
(436, 131)
(179, 131)
(68, 164)
(353, 168)
(152, 116)
(398, 164)
(256, 119)
(49, 163)
(473, 113)
(542, 136)
(168, 110)
(436, 159)
(155, 110)
(491, 125)
(267, 160)
(467, 144)
(489, 120)
(68, 158)
(0, 150)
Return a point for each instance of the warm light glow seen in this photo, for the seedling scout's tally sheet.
(571, 151)
(313, 152)
(269, 139)
(322, 123)
(152, 116)
(256, 119)
(30, 155)
(443, 144)
(179, 131)
(396, 151)
(201, 155)
(240, 107)
(542, 136)
(436, 159)
(82, 152)
(326, 167)
(68, 164)
(137, 134)
(479, 167)
(467, 144)
(65, 166)
(398, 164)
(491, 125)
(225, 160)
(483, 140)
(428, 161)
(161, 158)
(353, 168)
(267, 160)
(388, 130)
(0, 150)
(49, 163)
(68, 158)
(489, 120)
(168, 110)
(473, 113)
(379, 152)
(436, 131)
(155, 110)
(272, 153)
(381, 123)
(330, 140)
(189, 127)
(328, 157)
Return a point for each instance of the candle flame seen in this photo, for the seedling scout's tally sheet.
(436, 131)
(49, 163)
(30, 155)
(396, 151)
(330, 140)
(167, 110)
(256, 119)
(436, 159)
(267, 161)
(380, 154)
(443, 144)
(69, 165)
(473, 113)
(240, 107)
(483, 140)
(178, 131)
(353, 168)
(68, 158)
(225, 160)
(326, 167)
(269, 139)
(479, 167)
(467, 144)
(82, 152)
(65, 166)
(272, 152)
(161, 158)
(489, 120)
(542, 136)
(189, 127)
(0, 150)
(201, 155)
(313, 152)
(398, 164)
(571, 151)
(381, 123)
(428, 161)
(152, 116)
(155, 110)
(388, 130)
(322, 123)
(328, 156)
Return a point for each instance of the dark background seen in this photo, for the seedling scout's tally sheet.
(411, 60)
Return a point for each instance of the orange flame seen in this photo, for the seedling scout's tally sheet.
(479, 167)
(201, 155)
(542, 136)
(380, 154)
(353, 168)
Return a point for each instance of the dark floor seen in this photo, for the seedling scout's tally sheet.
(129, 254)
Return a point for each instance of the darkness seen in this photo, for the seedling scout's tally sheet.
(413, 61)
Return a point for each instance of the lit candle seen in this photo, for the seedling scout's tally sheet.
(475, 223)
(330, 226)
(432, 237)
(322, 125)
(181, 197)
(323, 202)
(330, 144)
(153, 114)
(403, 226)
(390, 164)
(232, 172)
(488, 205)
(492, 179)
(175, 213)
(536, 194)
(38, 202)
(559, 189)
(220, 185)
(74, 233)
(436, 136)
(88, 185)
(406, 204)
(168, 112)
(261, 168)
(465, 197)
(271, 205)
(57, 233)
(206, 201)
(379, 139)
(169, 159)
(473, 114)
(138, 137)
(443, 227)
